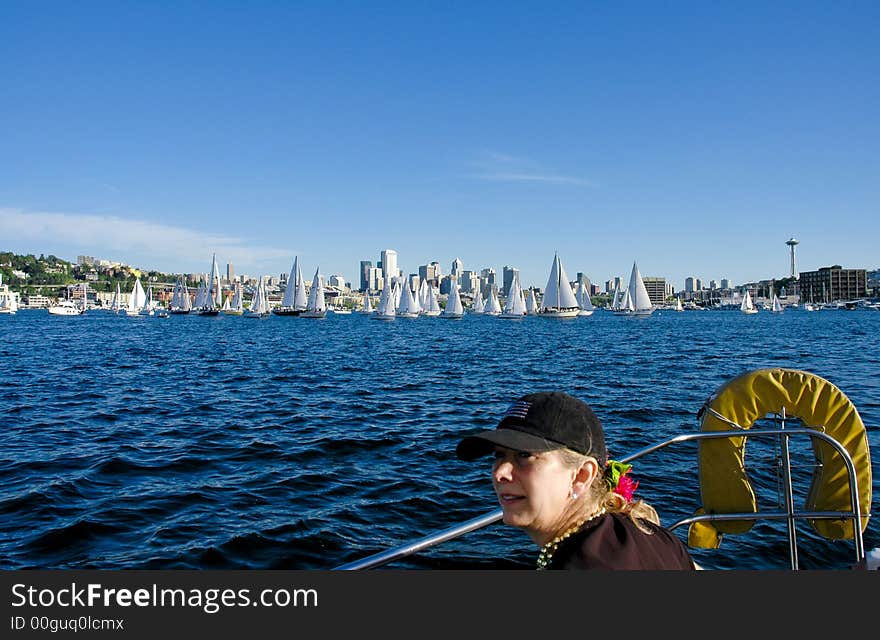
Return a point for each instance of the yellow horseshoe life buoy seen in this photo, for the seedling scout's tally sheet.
(724, 484)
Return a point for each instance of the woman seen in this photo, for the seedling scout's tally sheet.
(554, 481)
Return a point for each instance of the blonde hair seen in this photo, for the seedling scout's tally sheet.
(638, 511)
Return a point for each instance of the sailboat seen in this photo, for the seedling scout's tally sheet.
(409, 307)
(385, 308)
(236, 306)
(431, 306)
(8, 303)
(295, 300)
(775, 305)
(149, 307)
(478, 307)
(454, 309)
(747, 305)
(136, 300)
(368, 306)
(211, 304)
(636, 301)
(493, 307)
(531, 303)
(316, 307)
(259, 308)
(559, 300)
(515, 305)
(180, 300)
(677, 306)
(583, 298)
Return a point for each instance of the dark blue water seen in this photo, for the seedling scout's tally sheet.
(193, 442)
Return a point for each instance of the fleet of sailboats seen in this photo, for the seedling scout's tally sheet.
(515, 305)
(259, 308)
(635, 302)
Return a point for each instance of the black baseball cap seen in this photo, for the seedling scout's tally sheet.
(541, 421)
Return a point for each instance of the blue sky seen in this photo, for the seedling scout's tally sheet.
(694, 138)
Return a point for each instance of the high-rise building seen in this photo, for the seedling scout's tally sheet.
(365, 267)
(469, 281)
(230, 272)
(725, 283)
(690, 284)
(457, 267)
(507, 275)
(656, 288)
(375, 280)
(430, 273)
(389, 264)
(616, 283)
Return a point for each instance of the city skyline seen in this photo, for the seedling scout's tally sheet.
(694, 140)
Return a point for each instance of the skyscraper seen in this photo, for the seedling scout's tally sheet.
(230, 272)
(366, 265)
(389, 264)
(507, 275)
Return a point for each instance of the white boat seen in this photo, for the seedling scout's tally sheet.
(149, 307)
(531, 303)
(409, 306)
(454, 309)
(67, 307)
(559, 300)
(368, 305)
(236, 306)
(747, 305)
(636, 301)
(181, 303)
(775, 305)
(259, 308)
(385, 308)
(295, 300)
(211, 302)
(478, 307)
(316, 307)
(137, 300)
(677, 306)
(116, 304)
(583, 299)
(431, 306)
(515, 305)
(8, 302)
(493, 307)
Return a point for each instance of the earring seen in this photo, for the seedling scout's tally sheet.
(574, 495)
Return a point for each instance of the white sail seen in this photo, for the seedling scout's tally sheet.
(454, 308)
(385, 308)
(678, 306)
(201, 295)
(479, 307)
(639, 294)
(776, 306)
(368, 306)
(747, 305)
(515, 305)
(493, 307)
(214, 293)
(185, 300)
(409, 306)
(423, 294)
(559, 300)
(583, 297)
(237, 304)
(137, 299)
(531, 302)
(290, 292)
(300, 300)
(316, 307)
(116, 305)
(260, 304)
(431, 306)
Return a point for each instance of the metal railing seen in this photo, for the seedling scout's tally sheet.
(790, 515)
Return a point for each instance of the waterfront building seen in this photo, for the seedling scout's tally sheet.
(389, 264)
(508, 273)
(725, 283)
(364, 273)
(430, 273)
(230, 273)
(375, 279)
(615, 284)
(657, 290)
(469, 281)
(834, 283)
(337, 281)
(690, 284)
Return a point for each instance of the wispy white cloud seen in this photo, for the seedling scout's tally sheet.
(502, 167)
(533, 177)
(153, 245)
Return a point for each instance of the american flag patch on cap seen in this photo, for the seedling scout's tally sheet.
(518, 409)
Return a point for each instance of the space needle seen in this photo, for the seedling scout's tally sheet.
(792, 242)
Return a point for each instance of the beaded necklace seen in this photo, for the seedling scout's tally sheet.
(547, 551)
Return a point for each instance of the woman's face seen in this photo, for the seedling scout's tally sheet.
(534, 489)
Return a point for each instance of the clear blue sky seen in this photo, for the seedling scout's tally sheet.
(692, 137)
